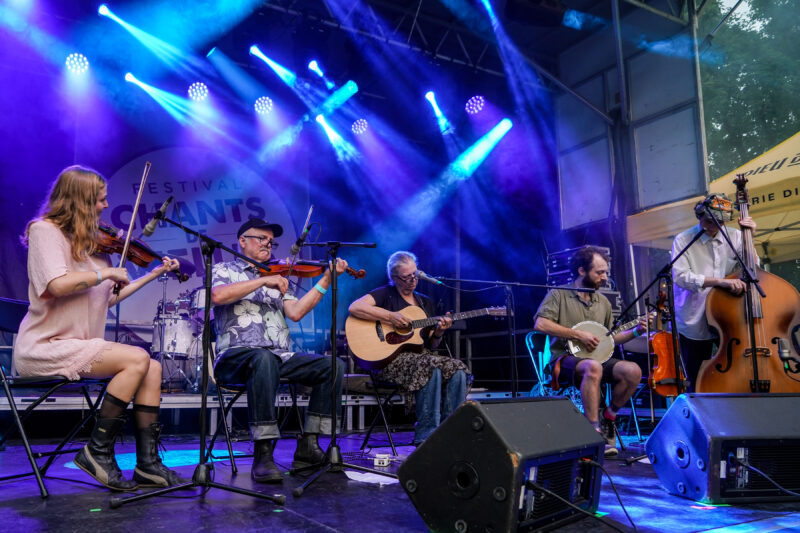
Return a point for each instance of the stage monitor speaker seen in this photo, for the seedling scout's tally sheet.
(473, 472)
(696, 448)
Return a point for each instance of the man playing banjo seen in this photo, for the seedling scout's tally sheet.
(563, 309)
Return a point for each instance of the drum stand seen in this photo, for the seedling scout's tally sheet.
(162, 354)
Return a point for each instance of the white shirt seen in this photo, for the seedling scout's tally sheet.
(709, 257)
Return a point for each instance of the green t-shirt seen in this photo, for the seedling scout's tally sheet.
(566, 308)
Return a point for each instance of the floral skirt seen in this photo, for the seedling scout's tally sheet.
(413, 370)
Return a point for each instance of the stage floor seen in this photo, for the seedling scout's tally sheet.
(334, 503)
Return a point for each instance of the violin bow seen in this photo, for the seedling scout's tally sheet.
(122, 260)
(294, 256)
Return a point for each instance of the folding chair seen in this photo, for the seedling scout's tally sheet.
(383, 400)
(11, 314)
(224, 408)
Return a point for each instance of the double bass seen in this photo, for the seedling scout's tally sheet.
(756, 348)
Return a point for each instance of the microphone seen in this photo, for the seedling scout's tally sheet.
(150, 228)
(423, 275)
(295, 249)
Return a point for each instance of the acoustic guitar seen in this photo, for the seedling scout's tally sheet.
(605, 349)
(375, 344)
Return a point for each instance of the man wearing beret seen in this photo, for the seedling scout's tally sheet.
(253, 347)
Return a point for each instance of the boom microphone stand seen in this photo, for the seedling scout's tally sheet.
(203, 472)
(333, 458)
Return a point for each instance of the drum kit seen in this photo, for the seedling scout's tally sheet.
(177, 332)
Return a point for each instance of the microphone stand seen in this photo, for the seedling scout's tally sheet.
(508, 288)
(333, 458)
(203, 473)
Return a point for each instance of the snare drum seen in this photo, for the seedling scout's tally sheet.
(178, 335)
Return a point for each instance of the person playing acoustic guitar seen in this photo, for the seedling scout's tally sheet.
(558, 312)
(422, 373)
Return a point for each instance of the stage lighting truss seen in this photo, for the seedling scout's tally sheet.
(263, 105)
(359, 126)
(77, 63)
(474, 105)
(198, 91)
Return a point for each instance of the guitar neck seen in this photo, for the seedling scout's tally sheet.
(432, 321)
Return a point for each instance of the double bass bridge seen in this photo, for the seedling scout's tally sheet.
(760, 352)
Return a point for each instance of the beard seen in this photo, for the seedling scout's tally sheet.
(589, 284)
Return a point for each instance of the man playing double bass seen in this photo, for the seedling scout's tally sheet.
(704, 265)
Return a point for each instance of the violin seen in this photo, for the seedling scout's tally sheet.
(111, 240)
(662, 377)
(303, 269)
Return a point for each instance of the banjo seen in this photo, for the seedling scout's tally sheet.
(605, 349)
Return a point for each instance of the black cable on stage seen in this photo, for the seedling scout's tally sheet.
(757, 471)
(614, 488)
(536, 486)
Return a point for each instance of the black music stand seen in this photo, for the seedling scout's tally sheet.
(202, 476)
(333, 458)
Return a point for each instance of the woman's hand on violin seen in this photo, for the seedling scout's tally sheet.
(168, 264)
(276, 282)
(116, 274)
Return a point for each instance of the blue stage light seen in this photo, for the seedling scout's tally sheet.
(263, 105)
(474, 105)
(359, 126)
(288, 77)
(130, 77)
(103, 10)
(469, 160)
(313, 66)
(77, 63)
(198, 91)
(444, 124)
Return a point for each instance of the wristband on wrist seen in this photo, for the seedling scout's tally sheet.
(99, 277)
(321, 289)
(636, 333)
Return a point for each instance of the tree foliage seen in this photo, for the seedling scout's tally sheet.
(750, 80)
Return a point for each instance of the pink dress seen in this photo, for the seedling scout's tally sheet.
(60, 335)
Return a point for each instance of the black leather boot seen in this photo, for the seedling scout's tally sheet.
(264, 469)
(308, 451)
(97, 457)
(150, 471)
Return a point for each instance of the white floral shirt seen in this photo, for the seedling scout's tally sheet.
(255, 321)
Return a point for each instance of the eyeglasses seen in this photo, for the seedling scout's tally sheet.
(407, 279)
(262, 240)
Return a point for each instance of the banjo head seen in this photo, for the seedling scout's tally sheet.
(603, 351)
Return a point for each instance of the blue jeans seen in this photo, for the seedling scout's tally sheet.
(429, 399)
(260, 370)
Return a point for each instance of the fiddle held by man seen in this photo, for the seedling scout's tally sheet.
(70, 291)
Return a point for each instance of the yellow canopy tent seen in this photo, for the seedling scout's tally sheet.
(774, 187)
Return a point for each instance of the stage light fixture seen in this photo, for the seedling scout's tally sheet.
(130, 77)
(263, 105)
(288, 77)
(198, 91)
(77, 63)
(359, 126)
(444, 124)
(103, 10)
(313, 66)
(475, 105)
